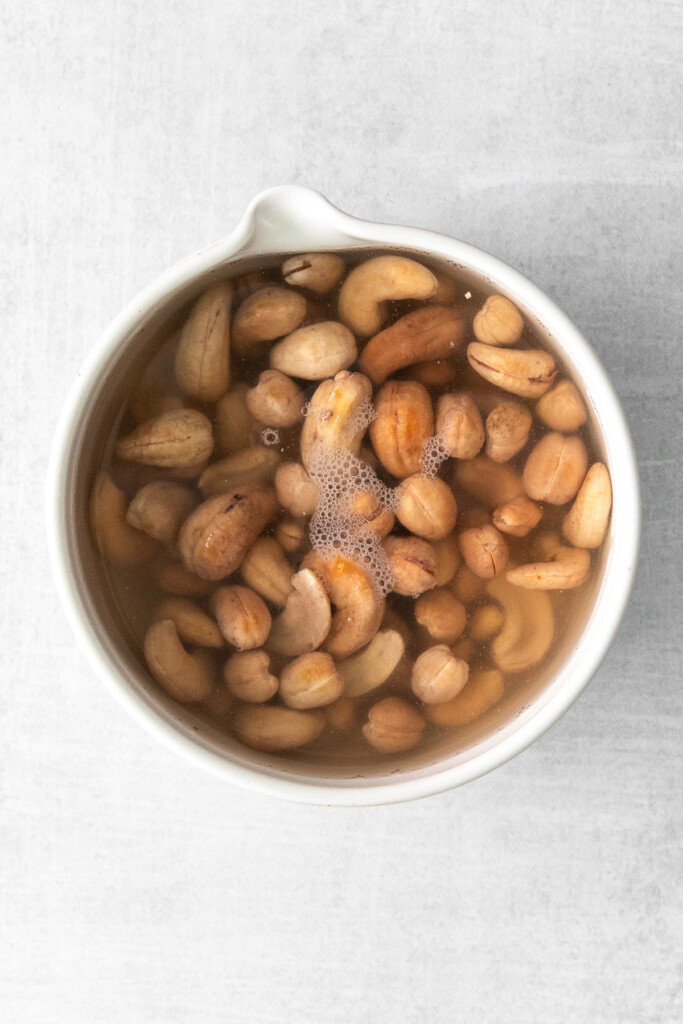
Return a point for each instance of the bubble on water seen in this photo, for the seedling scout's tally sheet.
(434, 452)
(270, 436)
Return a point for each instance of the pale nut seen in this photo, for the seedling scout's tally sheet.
(174, 578)
(276, 400)
(447, 559)
(498, 322)
(412, 563)
(266, 570)
(359, 607)
(441, 615)
(524, 372)
(160, 508)
(437, 676)
(467, 586)
(317, 271)
(192, 623)
(433, 332)
(215, 538)
(484, 550)
(251, 465)
(517, 517)
(434, 372)
(528, 627)
(242, 617)
(116, 540)
(295, 490)
(373, 665)
(248, 677)
(291, 534)
(235, 427)
(202, 362)
(562, 408)
(271, 729)
(176, 439)
(492, 483)
(268, 313)
(486, 622)
(459, 426)
(484, 689)
(306, 620)
(426, 507)
(555, 468)
(315, 352)
(403, 422)
(507, 431)
(188, 678)
(341, 714)
(586, 522)
(338, 416)
(393, 726)
(568, 568)
(369, 286)
(310, 681)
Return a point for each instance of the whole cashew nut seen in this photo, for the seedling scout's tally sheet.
(484, 688)
(524, 372)
(251, 465)
(370, 285)
(393, 726)
(310, 681)
(517, 517)
(412, 562)
(433, 332)
(426, 507)
(192, 623)
(306, 620)
(498, 322)
(339, 412)
(178, 439)
(358, 606)
(187, 677)
(528, 628)
(242, 616)
(316, 351)
(568, 568)
(202, 363)
(438, 676)
(562, 408)
(268, 313)
(403, 422)
(276, 400)
(372, 666)
(266, 570)
(459, 426)
(555, 468)
(317, 271)
(271, 729)
(247, 676)
(586, 522)
(492, 483)
(160, 508)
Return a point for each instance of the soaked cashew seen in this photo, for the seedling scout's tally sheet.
(235, 427)
(498, 322)
(174, 578)
(524, 372)
(492, 483)
(528, 626)
(555, 469)
(568, 568)
(215, 538)
(306, 620)
(251, 465)
(484, 688)
(276, 400)
(291, 534)
(467, 586)
(507, 430)
(266, 570)
(341, 714)
(403, 422)
(562, 408)
(437, 676)
(310, 681)
(373, 665)
(371, 513)
(192, 623)
(247, 676)
(518, 517)
(433, 332)
(268, 313)
(317, 271)
(358, 606)
(160, 509)
(447, 559)
(115, 539)
(177, 439)
(242, 617)
(187, 677)
(202, 362)
(484, 550)
(412, 562)
(426, 507)
(370, 285)
(441, 615)
(393, 726)
(271, 729)
(316, 351)
(434, 372)
(486, 622)
(586, 522)
(295, 490)
(338, 415)
(459, 426)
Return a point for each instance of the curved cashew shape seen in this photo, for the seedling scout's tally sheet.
(245, 467)
(359, 607)
(339, 413)
(306, 620)
(247, 676)
(202, 362)
(567, 569)
(187, 677)
(586, 522)
(373, 283)
(192, 623)
(433, 332)
(270, 728)
(115, 539)
(373, 665)
(266, 570)
(528, 628)
(483, 689)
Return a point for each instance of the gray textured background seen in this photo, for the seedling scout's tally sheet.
(134, 888)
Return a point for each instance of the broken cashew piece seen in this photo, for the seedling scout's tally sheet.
(567, 569)
(315, 352)
(276, 400)
(306, 620)
(160, 508)
(524, 372)
(441, 614)
(517, 517)
(271, 729)
(186, 677)
(295, 490)
(434, 332)
(484, 688)
(528, 626)
(372, 666)
(370, 285)
(202, 362)
(317, 271)
(586, 522)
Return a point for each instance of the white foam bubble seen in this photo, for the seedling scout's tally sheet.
(434, 452)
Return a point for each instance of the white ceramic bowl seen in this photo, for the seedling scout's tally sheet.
(285, 220)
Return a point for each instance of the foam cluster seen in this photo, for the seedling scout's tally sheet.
(434, 452)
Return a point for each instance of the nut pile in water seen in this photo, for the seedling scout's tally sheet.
(345, 502)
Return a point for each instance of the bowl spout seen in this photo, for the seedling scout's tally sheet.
(292, 218)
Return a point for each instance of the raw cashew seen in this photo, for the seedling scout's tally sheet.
(484, 550)
(426, 507)
(567, 569)
(242, 617)
(341, 714)
(187, 677)
(202, 362)
(562, 408)
(459, 426)
(393, 726)
(116, 540)
(160, 509)
(177, 439)
(174, 578)
(434, 372)
(518, 517)
(266, 570)
(339, 413)
(555, 468)
(235, 426)
(306, 620)
(370, 285)
(315, 352)
(447, 559)
(295, 490)
(586, 522)
(525, 372)
(528, 628)
(507, 430)
(373, 665)
(268, 313)
(433, 332)
(404, 420)
(492, 483)
(441, 614)
(412, 562)
(371, 512)
(467, 586)
(216, 537)
(192, 623)
(437, 676)
(290, 534)
(310, 681)
(251, 465)
(484, 689)
(317, 271)
(486, 622)
(358, 606)
(498, 322)
(276, 400)
(271, 729)
(247, 676)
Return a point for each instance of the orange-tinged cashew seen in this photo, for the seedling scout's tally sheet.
(370, 285)
(295, 490)
(433, 332)
(403, 422)
(528, 629)
(202, 362)
(412, 562)
(483, 689)
(586, 522)
(187, 677)
(524, 372)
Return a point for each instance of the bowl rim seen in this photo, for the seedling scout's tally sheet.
(248, 238)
